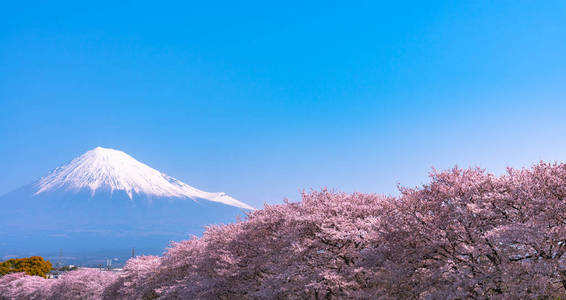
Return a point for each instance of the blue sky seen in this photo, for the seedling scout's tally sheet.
(260, 100)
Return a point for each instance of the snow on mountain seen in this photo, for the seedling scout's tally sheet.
(102, 204)
(114, 170)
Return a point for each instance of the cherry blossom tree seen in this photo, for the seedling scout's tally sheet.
(82, 284)
(466, 234)
(132, 282)
(469, 234)
(295, 250)
(22, 286)
(78, 284)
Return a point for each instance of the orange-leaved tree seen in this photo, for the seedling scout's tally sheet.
(34, 265)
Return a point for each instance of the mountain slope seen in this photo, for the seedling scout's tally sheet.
(105, 200)
(111, 169)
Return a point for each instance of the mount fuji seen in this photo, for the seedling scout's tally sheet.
(104, 203)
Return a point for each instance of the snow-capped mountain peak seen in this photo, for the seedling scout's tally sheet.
(109, 169)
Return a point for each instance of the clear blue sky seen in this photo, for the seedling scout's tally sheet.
(260, 100)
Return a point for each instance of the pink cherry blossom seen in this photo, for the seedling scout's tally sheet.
(465, 234)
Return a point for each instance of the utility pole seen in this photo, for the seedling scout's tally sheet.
(133, 252)
(60, 262)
